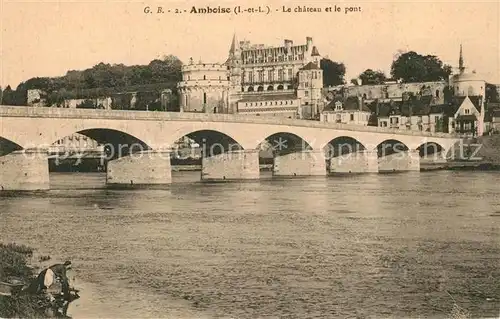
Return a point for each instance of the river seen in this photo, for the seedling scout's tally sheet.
(380, 245)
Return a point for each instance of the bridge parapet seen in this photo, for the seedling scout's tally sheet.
(25, 111)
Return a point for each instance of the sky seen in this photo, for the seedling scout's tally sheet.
(48, 38)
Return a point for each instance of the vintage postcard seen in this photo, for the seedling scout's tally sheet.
(249, 159)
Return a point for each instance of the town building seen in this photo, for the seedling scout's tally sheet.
(466, 115)
(414, 113)
(283, 81)
(351, 111)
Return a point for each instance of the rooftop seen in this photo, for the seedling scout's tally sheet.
(269, 97)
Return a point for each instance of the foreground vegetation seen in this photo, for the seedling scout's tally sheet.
(14, 266)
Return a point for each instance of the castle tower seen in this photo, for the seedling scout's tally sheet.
(316, 57)
(234, 64)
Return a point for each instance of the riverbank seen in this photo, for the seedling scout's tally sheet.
(23, 263)
(460, 166)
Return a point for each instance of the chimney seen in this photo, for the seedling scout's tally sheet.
(309, 43)
(288, 45)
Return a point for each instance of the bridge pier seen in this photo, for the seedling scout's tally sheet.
(400, 162)
(300, 163)
(25, 170)
(143, 169)
(356, 162)
(230, 166)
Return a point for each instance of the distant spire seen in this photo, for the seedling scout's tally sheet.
(461, 66)
(235, 46)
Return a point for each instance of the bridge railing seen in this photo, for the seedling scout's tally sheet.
(50, 112)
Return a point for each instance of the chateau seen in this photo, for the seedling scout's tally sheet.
(281, 81)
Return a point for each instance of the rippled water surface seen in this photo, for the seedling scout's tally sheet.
(395, 245)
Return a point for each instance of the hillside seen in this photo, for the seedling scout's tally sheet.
(100, 80)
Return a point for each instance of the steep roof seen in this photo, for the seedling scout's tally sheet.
(234, 44)
(315, 51)
(458, 100)
(310, 66)
(269, 97)
(352, 103)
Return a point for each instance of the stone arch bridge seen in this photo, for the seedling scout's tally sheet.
(139, 145)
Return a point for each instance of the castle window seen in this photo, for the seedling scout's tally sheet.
(352, 117)
(204, 98)
(290, 74)
(286, 102)
(204, 77)
(437, 93)
(306, 93)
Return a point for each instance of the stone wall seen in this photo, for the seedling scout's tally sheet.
(25, 170)
(358, 162)
(395, 90)
(400, 162)
(305, 163)
(236, 165)
(146, 168)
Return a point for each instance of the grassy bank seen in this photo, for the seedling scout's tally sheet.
(15, 269)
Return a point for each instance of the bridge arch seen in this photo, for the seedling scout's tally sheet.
(211, 142)
(343, 145)
(117, 143)
(7, 146)
(283, 142)
(390, 147)
(430, 149)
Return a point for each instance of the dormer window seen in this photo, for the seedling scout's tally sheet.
(338, 106)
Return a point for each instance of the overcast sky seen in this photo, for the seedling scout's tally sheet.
(49, 38)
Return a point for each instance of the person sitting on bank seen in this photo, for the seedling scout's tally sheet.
(59, 271)
(47, 277)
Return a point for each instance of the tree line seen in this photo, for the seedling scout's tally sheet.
(101, 80)
(106, 79)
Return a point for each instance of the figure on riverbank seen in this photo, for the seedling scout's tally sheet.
(47, 277)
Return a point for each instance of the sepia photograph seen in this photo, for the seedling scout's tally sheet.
(247, 159)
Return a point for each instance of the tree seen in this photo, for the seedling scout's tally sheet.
(492, 93)
(372, 77)
(10, 97)
(414, 67)
(333, 72)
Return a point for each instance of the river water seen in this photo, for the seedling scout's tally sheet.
(381, 245)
